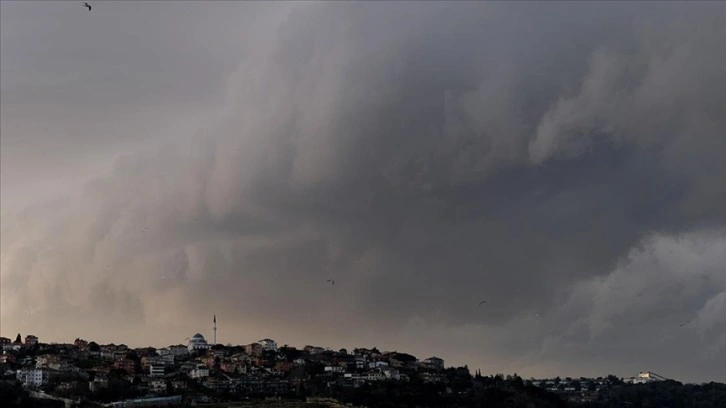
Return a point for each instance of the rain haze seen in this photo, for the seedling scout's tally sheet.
(163, 162)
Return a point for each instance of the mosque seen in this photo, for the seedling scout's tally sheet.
(198, 343)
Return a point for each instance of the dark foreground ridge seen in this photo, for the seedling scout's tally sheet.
(86, 374)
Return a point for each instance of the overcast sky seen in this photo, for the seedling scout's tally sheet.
(163, 162)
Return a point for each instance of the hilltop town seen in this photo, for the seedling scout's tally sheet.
(85, 373)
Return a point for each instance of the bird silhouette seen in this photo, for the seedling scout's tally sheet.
(88, 6)
(482, 302)
(332, 282)
(683, 324)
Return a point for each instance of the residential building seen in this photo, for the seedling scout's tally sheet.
(312, 350)
(31, 340)
(377, 364)
(200, 371)
(34, 377)
(98, 383)
(6, 358)
(46, 360)
(334, 369)
(157, 370)
(112, 353)
(63, 366)
(179, 385)
(429, 378)
(233, 367)
(241, 358)
(125, 364)
(254, 349)
(268, 344)
(360, 363)
(16, 345)
(392, 374)
(157, 386)
(283, 366)
(433, 363)
(66, 386)
(175, 351)
(178, 350)
(167, 360)
(375, 377)
(208, 360)
(218, 385)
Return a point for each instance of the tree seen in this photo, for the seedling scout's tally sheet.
(11, 393)
(517, 381)
(18, 339)
(93, 346)
(613, 380)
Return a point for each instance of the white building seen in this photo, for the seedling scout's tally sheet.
(334, 369)
(375, 377)
(197, 343)
(200, 371)
(156, 370)
(644, 377)
(392, 374)
(168, 359)
(157, 386)
(268, 344)
(34, 377)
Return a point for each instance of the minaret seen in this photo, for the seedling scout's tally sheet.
(215, 329)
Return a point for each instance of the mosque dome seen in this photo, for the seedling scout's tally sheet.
(197, 342)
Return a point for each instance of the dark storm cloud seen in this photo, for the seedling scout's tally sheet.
(547, 158)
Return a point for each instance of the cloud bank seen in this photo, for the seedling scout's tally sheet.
(563, 162)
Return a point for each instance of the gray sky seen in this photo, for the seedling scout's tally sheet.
(162, 162)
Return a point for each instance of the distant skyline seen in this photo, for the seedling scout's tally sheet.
(163, 162)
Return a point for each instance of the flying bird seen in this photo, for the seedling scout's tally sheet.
(88, 6)
(683, 324)
(332, 282)
(482, 302)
